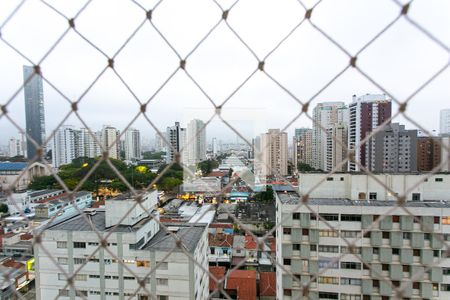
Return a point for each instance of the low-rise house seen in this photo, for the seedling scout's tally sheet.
(241, 284)
(220, 248)
(267, 285)
(11, 176)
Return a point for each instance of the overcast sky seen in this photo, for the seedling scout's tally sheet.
(400, 60)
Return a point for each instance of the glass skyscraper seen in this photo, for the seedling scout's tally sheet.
(34, 110)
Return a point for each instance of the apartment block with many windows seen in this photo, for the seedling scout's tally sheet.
(399, 252)
(135, 245)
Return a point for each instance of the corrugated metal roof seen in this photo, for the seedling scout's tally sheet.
(12, 166)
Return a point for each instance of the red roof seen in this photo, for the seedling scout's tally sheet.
(219, 273)
(244, 282)
(26, 236)
(220, 240)
(217, 174)
(13, 264)
(272, 244)
(267, 284)
(250, 242)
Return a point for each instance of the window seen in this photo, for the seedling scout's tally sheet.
(162, 281)
(295, 246)
(63, 293)
(406, 268)
(437, 220)
(62, 260)
(376, 283)
(367, 234)
(350, 265)
(162, 297)
(305, 231)
(350, 281)
(287, 261)
(436, 253)
(61, 244)
(406, 235)
(349, 234)
(347, 250)
(439, 179)
(435, 287)
(313, 247)
(395, 251)
(328, 249)
(446, 271)
(385, 267)
(327, 264)
(163, 266)
(79, 261)
(330, 217)
(350, 297)
(376, 250)
(446, 220)
(417, 219)
(296, 216)
(94, 276)
(445, 287)
(427, 236)
(326, 295)
(92, 244)
(313, 216)
(416, 252)
(79, 244)
(329, 178)
(328, 280)
(287, 292)
(80, 277)
(396, 219)
(342, 178)
(61, 276)
(386, 234)
(372, 196)
(143, 263)
(415, 196)
(81, 293)
(286, 230)
(328, 233)
(351, 218)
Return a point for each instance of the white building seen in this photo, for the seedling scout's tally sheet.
(302, 144)
(137, 242)
(132, 144)
(445, 154)
(364, 187)
(16, 147)
(110, 141)
(326, 115)
(444, 127)
(176, 137)
(91, 148)
(196, 142)
(313, 245)
(63, 151)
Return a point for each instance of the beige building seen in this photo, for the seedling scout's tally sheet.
(11, 174)
(303, 146)
(274, 153)
(109, 136)
(336, 150)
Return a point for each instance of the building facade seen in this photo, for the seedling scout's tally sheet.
(444, 122)
(110, 140)
(302, 143)
(16, 147)
(336, 147)
(340, 252)
(132, 144)
(428, 153)
(63, 150)
(196, 142)
(274, 150)
(325, 115)
(34, 109)
(366, 113)
(393, 149)
(11, 176)
(176, 137)
(137, 242)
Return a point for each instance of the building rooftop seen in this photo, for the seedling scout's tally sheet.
(220, 240)
(293, 198)
(219, 273)
(78, 223)
(189, 235)
(12, 166)
(267, 284)
(63, 199)
(43, 192)
(244, 282)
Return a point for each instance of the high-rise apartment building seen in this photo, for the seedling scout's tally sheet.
(110, 141)
(336, 147)
(445, 153)
(91, 148)
(302, 144)
(325, 116)
(393, 149)
(157, 260)
(313, 242)
(215, 147)
(274, 153)
(34, 109)
(428, 153)
(196, 142)
(366, 113)
(132, 144)
(176, 137)
(16, 147)
(63, 150)
(444, 127)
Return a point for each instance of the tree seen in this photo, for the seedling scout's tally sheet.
(207, 166)
(302, 167)
(42, 183)
(265, 196)
(153, 155)
(3, 208)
